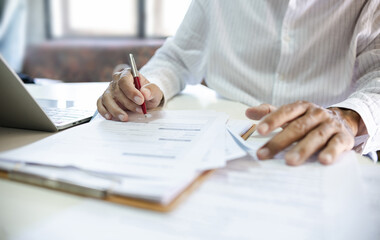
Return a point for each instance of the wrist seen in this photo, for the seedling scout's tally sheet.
(351, 118)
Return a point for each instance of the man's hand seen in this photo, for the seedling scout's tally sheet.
(121, 95)
(311, 127)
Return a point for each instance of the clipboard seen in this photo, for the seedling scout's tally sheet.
(16, 173)
(102, 194)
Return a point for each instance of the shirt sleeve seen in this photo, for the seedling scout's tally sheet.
(365, 100)
(182, 58)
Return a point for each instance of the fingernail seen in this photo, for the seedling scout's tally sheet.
(121, 117)
(327, 158)
(263, 152)
(263, 128)
(107, 116)
(138, 100)
(292, 157)
(138, 109)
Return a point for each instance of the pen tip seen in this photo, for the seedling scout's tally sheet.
(146, 115)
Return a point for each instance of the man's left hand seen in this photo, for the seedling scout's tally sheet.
(311, 127)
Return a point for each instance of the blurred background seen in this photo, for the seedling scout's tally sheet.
(83, 40)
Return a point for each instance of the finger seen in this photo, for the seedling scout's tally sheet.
(116, 76)
(256, 113)
(295, 130)
(102, 110)
(126, 102)
(310, 144)
(281, 116)
(126, 85)
(112, 107)
(338, 143)
(152, 94)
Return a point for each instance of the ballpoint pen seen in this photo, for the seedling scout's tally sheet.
(136, 80)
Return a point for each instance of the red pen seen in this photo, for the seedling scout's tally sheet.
(136, 79)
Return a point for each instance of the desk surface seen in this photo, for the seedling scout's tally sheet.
(24, 207)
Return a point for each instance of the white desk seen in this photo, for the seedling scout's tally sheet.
(24, 207)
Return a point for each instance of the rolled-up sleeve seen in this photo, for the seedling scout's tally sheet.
(365, 99)
(181, 59)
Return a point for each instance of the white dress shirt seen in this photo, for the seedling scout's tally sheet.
(323, 51)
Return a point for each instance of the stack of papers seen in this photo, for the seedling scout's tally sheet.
(152, 158)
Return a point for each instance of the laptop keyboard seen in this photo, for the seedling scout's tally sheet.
(64, 115)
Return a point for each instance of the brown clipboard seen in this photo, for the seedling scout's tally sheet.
(134, 202)
(40, 181)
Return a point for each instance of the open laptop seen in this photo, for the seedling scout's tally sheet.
(18, 109)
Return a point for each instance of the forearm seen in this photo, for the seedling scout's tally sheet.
(181, 59)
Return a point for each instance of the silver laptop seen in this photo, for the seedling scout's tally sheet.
(18, 109)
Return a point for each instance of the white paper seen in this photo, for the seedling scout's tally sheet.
(371, 178)
(150, 147)
(238, 127)
(247, 200)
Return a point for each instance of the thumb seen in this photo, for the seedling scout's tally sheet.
(152, 94)
(256, 113)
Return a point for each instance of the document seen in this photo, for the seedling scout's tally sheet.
(371, 178)
(174, 142)
(246, 200)
(153, 158)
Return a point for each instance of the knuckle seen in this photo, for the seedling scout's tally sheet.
(338, 140)
(301, 102)
(124, 83)
(331, 123)
(341, 139)
(302, 151)
(344, 139)
(300, 126)
(321, 133)
(295, 105)
(125, 74)
(126, 71)
(116, 76)
(319, 112)
(113, 84)
(287, 108)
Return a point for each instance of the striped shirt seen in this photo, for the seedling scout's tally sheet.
(323, 51)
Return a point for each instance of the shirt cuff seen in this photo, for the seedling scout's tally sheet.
(169, 88)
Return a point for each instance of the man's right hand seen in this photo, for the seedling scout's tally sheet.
(121, 95)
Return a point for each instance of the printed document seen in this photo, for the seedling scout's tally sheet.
(174, 142)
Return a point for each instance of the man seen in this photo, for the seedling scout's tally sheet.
(314, 64)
